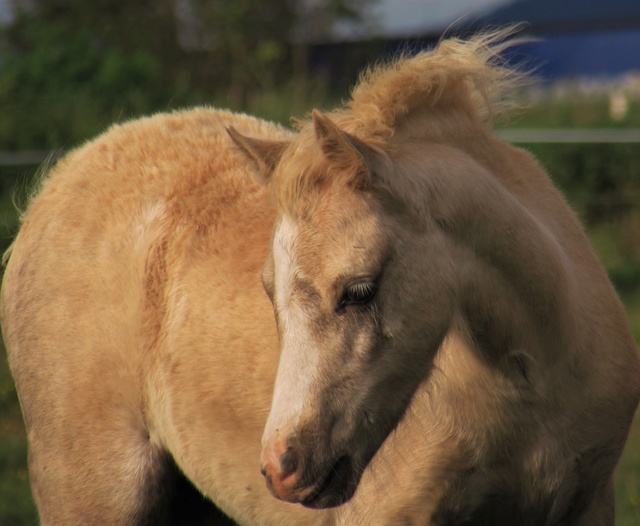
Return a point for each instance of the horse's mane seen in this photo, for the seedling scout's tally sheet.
(463, 75)
(456, 89)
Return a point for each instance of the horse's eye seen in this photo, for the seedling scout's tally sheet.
(357, 293)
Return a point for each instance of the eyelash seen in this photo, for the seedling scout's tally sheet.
(358, 293)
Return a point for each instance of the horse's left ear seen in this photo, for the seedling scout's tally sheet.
(264, 153)
(347, 151)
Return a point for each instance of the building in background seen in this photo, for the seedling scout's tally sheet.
(577, 38)
(574, 38)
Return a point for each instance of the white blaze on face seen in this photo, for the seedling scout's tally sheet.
(298, 356)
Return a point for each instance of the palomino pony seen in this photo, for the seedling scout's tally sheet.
(446, 348)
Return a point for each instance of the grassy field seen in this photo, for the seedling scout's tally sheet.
(628, 480)
(16, 505)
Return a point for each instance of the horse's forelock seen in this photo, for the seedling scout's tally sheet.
(305, 171)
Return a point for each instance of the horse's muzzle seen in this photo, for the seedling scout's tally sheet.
(288, 480)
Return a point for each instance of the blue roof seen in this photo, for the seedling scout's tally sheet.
(583, 54)
(578, 37)
(564, 15)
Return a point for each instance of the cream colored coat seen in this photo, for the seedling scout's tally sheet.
(138, 330)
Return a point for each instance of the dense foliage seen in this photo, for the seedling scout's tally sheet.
(68, 68)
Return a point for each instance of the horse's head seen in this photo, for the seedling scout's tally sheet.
(362, 299)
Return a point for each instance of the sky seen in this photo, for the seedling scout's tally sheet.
(5, 11)
(406, 18)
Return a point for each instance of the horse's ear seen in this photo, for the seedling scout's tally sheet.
(348, 151)
(264, 152)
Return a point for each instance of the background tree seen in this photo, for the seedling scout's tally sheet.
(71, 67)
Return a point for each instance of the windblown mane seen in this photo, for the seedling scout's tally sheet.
(456, 89)
(468, 75)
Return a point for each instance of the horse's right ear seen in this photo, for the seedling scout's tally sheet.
(264, 153)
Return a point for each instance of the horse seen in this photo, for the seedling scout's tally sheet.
(386, 316)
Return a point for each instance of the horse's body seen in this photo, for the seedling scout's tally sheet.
(449, 343)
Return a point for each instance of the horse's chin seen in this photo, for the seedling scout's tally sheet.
(342, 478)
(337, 488)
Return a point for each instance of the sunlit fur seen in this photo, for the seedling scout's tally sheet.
(493, 376)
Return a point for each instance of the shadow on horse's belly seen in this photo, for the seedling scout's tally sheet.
(502, 509)
(184, 505)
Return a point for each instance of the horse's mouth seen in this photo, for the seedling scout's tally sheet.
(336, 489)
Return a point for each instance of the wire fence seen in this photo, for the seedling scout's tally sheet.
(570, 135)
(515, 135)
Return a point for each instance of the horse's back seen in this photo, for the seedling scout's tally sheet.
(120, 231)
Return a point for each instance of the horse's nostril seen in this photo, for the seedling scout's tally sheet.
(288, 462)
(263, 470)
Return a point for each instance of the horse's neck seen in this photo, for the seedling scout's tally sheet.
(513, 274)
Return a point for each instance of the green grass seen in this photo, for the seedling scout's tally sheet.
(16, 504)
(628, 480)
